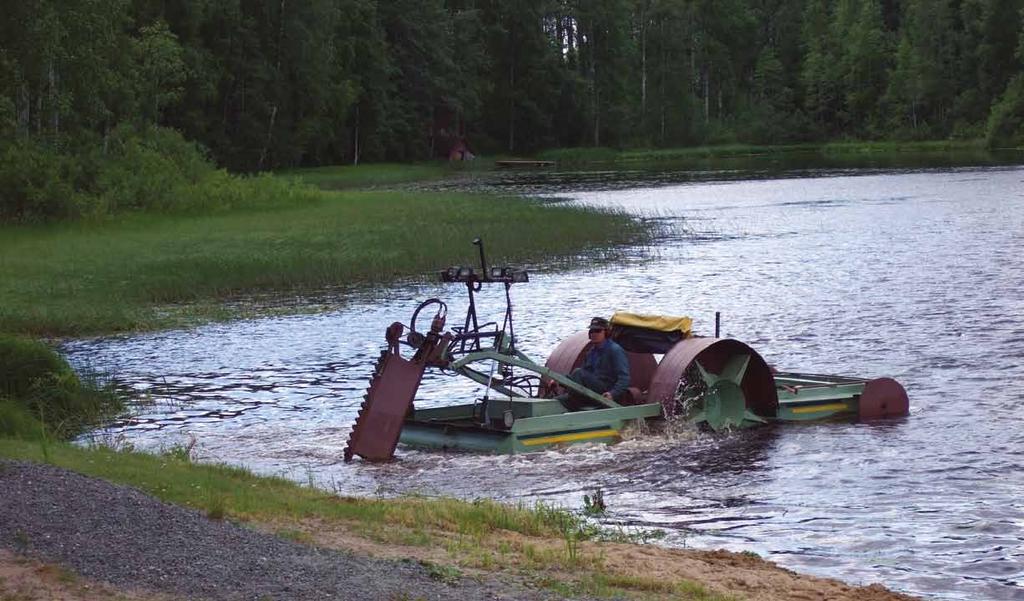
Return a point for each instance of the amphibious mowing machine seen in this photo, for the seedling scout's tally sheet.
(709, 381)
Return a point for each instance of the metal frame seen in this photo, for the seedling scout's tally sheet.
(738, 388)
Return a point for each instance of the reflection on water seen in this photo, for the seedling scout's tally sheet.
(912, 275)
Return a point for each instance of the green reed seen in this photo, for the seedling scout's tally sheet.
(136, 271)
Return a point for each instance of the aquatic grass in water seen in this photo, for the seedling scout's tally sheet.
(80, 278)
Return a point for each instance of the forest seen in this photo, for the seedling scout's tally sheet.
(259, 85)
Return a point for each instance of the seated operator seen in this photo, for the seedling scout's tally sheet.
(605, 368)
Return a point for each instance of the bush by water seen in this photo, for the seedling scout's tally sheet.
(40, 393)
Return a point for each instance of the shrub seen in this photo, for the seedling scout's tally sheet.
(1006, 121)
(133, 169)
(36, 183)
(149, 168)
(23, 362)
(37, 381)
(16, 422)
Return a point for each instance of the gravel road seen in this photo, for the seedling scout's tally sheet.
(122, 536)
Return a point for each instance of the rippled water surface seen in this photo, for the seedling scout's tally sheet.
(914, 275)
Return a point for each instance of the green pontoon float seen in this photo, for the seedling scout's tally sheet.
(714, 383)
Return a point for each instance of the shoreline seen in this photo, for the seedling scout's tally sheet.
(446, 558)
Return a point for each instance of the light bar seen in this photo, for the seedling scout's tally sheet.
(508, 275)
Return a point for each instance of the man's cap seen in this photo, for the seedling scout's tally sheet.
(599, 323)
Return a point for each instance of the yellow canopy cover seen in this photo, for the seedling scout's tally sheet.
(660, 323)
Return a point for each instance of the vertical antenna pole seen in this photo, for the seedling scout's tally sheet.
(483, 262)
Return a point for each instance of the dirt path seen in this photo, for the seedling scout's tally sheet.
(67, 536)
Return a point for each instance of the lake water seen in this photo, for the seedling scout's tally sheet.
(916, 275)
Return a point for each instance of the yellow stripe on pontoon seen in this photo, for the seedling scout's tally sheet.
(817, 408)
(530, 442)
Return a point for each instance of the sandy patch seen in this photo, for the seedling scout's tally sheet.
(334, 535)
(23, 579)
(746, 576)
(741, 574)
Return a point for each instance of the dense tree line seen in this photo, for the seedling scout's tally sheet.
(271, 83)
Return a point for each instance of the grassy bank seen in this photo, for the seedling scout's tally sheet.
(725, 151)
(83, 277)
(370, 175)
(41, 397)
(545, 545)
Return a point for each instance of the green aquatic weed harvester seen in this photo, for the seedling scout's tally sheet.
(713, 382)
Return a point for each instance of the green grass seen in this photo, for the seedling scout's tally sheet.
(370, 175)
(237, 493)
(443, 573)
(617, 586)
(569, 156)
(134, 272)
(907, 146)
(41, 396)
(474, 533)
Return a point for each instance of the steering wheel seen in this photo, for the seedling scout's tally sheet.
(442, 311)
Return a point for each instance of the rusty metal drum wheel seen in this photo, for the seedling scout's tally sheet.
(569, 354)
(719, 382)
(883, 397)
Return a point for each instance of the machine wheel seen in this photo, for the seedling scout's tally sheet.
(569, 355)
(883, 397)
(722, 383)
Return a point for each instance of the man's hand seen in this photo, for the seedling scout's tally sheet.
(607, 395)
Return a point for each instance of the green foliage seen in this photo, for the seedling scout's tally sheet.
(1006, 123)
(160, 70)
(38, 387)
(24, 363)
(37, 182)
(75, 278)
(181, 452)
(572, 156)
(149, 169)
(369, 175)
(17, 422)
(132, 169)
(594, 504)
(270, 85)
(442, 573)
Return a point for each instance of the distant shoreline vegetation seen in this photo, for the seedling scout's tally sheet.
(154, 169)
(139, 230)
(151, 235)
(329, 82)
(584, 155)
